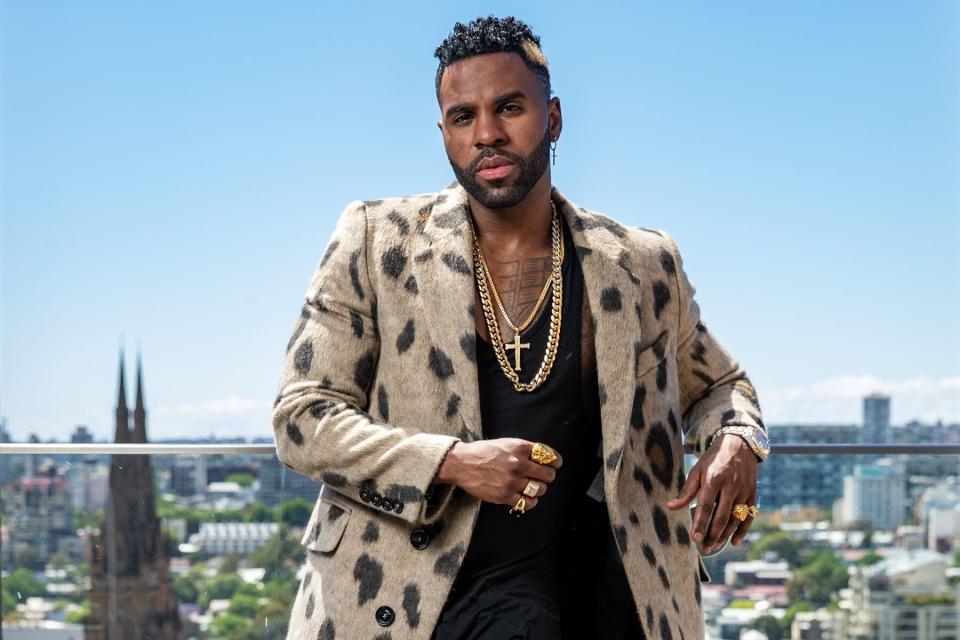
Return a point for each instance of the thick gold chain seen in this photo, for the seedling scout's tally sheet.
(496, 294)
(493, 327)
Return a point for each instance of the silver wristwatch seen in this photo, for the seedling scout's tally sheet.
(754, 436)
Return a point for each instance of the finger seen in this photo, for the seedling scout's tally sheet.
(542, 472)
(705, 504)
(529, 503)
(744, 526)
(687, 491)
(732, 524)
(556, 463)
(721, 516)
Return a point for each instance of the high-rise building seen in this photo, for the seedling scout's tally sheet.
(875, 493)
(278, 483)
(805, 480)
(876, 419)
(131, 596)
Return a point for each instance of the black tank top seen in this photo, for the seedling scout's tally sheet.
(554, 414)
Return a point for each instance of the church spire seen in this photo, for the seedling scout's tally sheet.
(123, 417)
(140, 412)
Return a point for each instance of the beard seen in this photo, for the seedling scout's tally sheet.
(530, 170)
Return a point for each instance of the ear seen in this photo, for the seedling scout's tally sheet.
(556, 117)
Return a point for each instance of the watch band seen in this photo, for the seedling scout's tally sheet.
(742, 431)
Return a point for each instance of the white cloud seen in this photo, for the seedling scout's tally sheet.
(231, 416)
(840, 400)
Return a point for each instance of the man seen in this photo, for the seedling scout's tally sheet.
(496, 387)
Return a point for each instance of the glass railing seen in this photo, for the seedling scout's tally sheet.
(202, 541)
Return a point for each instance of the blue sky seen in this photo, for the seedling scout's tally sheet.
(171, 174)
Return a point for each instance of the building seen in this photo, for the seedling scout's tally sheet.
(903, 597)
(277, 483)
(81, 435)
(236, 538)
(42, 513)
(188, 475)
(805, 480)
(757, 572)
(875, 493)
(131, 596)
(876, 419)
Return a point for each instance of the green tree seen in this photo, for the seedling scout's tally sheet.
(242, 479)
(184, 589)
(769, 626)
(259, 512)
(786, 546)
(270, 622)
(817, 581)
(278, 557)
(869, 558)
(229, 625)
(295, 512)
(24, 584)
(243, 605)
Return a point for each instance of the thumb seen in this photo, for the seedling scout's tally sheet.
(687, 492)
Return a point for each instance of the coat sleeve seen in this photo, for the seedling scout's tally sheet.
(714, 390)
(320, 420)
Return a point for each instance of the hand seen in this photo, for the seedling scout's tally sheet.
(497, 470)
(726, 475)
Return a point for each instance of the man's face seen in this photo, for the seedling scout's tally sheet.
(492, 109)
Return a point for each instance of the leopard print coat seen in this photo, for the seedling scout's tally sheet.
(380, 380)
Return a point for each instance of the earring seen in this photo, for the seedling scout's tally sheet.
(553, 150)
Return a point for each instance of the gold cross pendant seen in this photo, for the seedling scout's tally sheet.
(516, 345)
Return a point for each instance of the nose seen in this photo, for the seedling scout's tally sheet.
(488, 131)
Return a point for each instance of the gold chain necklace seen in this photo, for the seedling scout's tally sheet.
(536, 308)
(553, 338)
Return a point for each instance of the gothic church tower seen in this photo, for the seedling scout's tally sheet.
(131, 596)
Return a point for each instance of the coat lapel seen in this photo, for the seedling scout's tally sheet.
(443, 264)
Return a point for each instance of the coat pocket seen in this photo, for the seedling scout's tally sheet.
(326, 525)
(650, 356)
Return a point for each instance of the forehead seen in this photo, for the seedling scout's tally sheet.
(484, 77)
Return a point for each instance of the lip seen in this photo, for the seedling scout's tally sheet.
(495, 173)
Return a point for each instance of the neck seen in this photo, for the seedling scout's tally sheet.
(521, 230)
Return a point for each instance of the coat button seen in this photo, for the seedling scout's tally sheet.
(376, 500)
(398, 507)
(387, 504)
(420, 539)
(385, 616)
(364, 495)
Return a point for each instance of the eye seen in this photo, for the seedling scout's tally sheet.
(461, 118)
(511, 107)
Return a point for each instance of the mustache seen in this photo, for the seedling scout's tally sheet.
(491, 153)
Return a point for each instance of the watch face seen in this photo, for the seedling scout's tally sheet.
(762, 440)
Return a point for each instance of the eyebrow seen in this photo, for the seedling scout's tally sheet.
(463, 106)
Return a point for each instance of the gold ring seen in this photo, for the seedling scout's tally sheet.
(519, 507)
(542, 453)
(532, 488)
(740, 511)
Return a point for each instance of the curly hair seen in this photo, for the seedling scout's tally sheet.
(492, 35)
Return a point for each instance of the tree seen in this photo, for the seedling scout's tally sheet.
(295, 512)
(817, 581)
(228, 625)
(259, 512)
(786, 546)
(869, 558)
(23, 584)
(242, 479)
(184, 589)
(243, 605)
(769, 626)
(278, 556)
